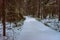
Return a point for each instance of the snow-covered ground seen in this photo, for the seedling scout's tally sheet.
(34, 30)
(52, 23)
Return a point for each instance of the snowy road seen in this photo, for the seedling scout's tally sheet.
(34, 30)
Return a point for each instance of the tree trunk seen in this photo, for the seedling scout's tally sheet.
(58, 3)
(59, 11)
(3, 18)
(59, 16)
(39, 9)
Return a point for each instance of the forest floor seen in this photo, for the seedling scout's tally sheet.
(31, 30)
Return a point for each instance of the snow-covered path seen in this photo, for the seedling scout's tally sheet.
(34, 30)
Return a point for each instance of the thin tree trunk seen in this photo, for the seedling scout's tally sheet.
(3, 18)
(58, 3)
(59, 16)
(59, 11)
(39, 9)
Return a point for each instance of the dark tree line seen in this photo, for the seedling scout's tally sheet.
(40, 8)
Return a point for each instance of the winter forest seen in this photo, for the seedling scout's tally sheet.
(29, 19)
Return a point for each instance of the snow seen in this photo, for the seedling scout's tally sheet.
(34, 30)
(52, 23)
